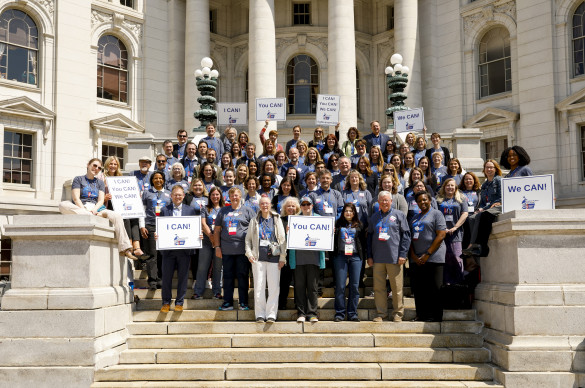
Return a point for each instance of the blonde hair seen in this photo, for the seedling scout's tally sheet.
(441, 196)
(108, 161)
(362, 183)
(295, 200)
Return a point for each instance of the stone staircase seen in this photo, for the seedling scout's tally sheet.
(204, 347)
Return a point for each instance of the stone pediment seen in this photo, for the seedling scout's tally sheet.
(491, 116)
(25, 107)
(573, 102)
(117, 123)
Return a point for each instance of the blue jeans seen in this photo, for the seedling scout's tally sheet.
(206, 256)
(235, 265)
(341, 265)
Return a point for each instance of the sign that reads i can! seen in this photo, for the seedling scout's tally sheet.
(178, 232)
(232, 113)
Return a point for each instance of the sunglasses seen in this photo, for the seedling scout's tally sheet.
(182, 136)
(305, 204)
(161, 161)
(388, 170)
(360, 146)
(97, 166)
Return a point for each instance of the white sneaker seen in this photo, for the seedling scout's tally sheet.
(208, 284)
(301, 318)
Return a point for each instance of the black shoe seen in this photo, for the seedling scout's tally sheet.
(152, 286)
(354, 319)
(338, 319)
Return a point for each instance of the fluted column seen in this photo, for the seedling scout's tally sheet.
(406, 43)
(261, 61)
(197, 38)
(341, 61)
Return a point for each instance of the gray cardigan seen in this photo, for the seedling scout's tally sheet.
(253, 237)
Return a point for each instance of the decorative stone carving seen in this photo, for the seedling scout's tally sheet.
(49, 5)
(219, 51)
(320, 42)
(118, 20)
(239, 52)
(487, 14)
(98, 17)
(136, 28)
(302, 40)
(283, 43)
(384, 48)
(364, 48)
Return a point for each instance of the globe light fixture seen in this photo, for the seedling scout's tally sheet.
(396, 79)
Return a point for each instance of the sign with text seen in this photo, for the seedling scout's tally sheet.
(232, 113)
(126, 198)
(528, 193)
(327, 110)
(409, 120)
(310, 233)
(178, 232)
(273, 109)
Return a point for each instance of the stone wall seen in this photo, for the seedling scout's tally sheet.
(69, 304)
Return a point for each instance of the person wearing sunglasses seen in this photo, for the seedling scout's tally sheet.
(361, 147)
(87, 197)
(317, 141)
(179, 148)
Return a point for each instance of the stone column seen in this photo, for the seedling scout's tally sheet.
(341, 61)
(467, 148)
(261, 62)
(406, 43)
(69, 304)
(532, 298)
(197, 42)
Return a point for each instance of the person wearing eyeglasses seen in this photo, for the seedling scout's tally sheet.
(361, 150)
(161, 166)
(318, 141)
(179, 148)
(348, 146)
(87, 197)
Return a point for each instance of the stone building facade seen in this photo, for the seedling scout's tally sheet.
(489, 73)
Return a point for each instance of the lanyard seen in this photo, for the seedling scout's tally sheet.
(419, 220)
(264, 227)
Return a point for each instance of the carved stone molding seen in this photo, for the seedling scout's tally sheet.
(320, 42)
(364, 48)
(49, 5)
(283, 43)
(117, 20)
(219, 51)
(98, 17)
(488, 13)
(136, 28)
(385, 47)
(239, 52)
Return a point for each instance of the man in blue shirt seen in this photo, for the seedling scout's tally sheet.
(293, 156)
(190, 161)
(376, 138)
(213, 142)
(179, 148)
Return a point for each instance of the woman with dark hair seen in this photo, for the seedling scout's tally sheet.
(290, 207)
(438, 149)
(333, 164)
(516, 160)
(311, 184)
(293, 174)
(425, 166)
(229, 180)
(241, 174)
(270, 167)
(286, 189)
(349, 255)
(266, 185)
(413, 208)
(427, 259)
(416, 175)
(389, 150)
(207, 253)
(253, 169)
(252, 199)
(154, 199)
(490, 205)
(226, 161)
(420, 149)
(363, 167)
(331, 147)
(317, 141)
(243, 139)
(356, 192)
(348, 146)
(236, 153)
(396, 161)
(469, 187)
(207, 174)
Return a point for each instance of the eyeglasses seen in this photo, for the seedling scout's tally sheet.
(318, 131)
(97, 166)
(360, 146)
(161, 161)
(181, 136)
(305, 204)
(388, 170)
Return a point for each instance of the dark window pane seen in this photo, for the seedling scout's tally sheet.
(7, 165)
(7, 150)
(26, 166)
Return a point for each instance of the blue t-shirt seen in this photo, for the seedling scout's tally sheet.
(89, 189)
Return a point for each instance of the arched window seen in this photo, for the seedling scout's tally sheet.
(495, 70)
(302, 84)
(19, 47)
(112, 69)
(579, 41)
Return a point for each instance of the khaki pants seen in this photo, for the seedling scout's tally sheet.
(68, 207)
(395, 275)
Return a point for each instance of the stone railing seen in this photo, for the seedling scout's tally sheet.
(69, 304)
(532, 298)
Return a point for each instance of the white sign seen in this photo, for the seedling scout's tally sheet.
(327, 110)
(528, 193)
(273, 109)
(310, 233)
(126, 197)
(409, 120)
(178, 232)
(232, 113)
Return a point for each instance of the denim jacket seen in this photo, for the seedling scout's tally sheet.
(490, 192)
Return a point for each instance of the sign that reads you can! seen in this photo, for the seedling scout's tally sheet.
(327, 109)
(273, 109)
(528, 193)
(310, 233)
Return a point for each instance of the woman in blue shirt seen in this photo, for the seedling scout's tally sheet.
(516, 159)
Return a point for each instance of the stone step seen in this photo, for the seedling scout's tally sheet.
(193, 341)
(213, 304)
(291, 371)
(453, 327)
(302, 354)
(303, 383)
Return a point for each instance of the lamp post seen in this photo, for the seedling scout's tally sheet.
(397, 79)
(206, 84)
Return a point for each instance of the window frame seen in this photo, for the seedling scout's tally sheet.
(498, 151)
(307, 14)
(38, 50)
(126, 71)
(21, 158)
(507, 61)
(109, 144)
(573, 40)
(314, 87)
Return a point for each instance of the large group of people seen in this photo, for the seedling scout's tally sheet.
(396, 204)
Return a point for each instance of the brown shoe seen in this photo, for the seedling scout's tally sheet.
(128, 254)
(397, 319)
(178, 308)
(165, 308)
(378, 319)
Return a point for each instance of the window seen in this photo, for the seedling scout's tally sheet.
(213, 21)
(112, 69)
(112, 150)
(5, 259)
(495, 74)
(390, 17)
(18, 162)
(494, 149)
(579, 40)
(19, 47)
(127, 3)
(301, 14)
(302, 84)
(357, 92)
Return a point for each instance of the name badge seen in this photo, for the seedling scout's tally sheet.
(349, 250)
(449, 217)
(470, 209)
(264, 243)
(383, 234)
(415, 236)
